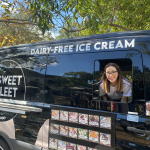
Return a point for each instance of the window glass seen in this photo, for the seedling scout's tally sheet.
(132, 70)
(11, 80)
(147, 75)
(23, 79)
(70, 79)
(124, 72)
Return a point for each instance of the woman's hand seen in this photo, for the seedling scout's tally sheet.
(124, 99)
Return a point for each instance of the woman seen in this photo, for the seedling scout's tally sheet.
(113, 86)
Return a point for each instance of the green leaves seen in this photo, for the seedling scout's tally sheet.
(97, 16)
(16, 26)
(42, 13)
(3, 6)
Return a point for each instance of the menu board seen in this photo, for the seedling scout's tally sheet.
(54, 128)
(105, 139)
(63, 115)
(61, 145)
(73, 117)
(105, 122)
(94, 120)
(94, 129)
(82, 134)
(53, 143)
(72, 132)
(83, 118)
(63, 130)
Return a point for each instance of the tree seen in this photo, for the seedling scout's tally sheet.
(65, 34)
(16, 26)
(76, 78)
(18, 34)
(92, 16)
(10, 10)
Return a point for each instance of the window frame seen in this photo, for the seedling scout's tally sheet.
(143, 74)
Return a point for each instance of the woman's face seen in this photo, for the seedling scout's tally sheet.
(112, 74)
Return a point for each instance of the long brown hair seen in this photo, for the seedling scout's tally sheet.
(106, 82)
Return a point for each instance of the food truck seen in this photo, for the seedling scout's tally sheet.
(49, 94)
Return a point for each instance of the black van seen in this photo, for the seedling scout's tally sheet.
(50, 94)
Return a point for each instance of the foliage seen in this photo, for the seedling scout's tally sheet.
(8, 8)
(71, 17)
(92, 16)
(17, 34)
(43, 11)
(76, 78)
(16, 26)
(63, 33)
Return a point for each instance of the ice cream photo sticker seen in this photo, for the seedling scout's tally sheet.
(73, 117)
(105, 122)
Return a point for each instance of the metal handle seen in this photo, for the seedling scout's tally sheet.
(20, 107)
(138, 130)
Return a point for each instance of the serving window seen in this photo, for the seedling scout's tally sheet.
(130, 64)
(125, 66)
